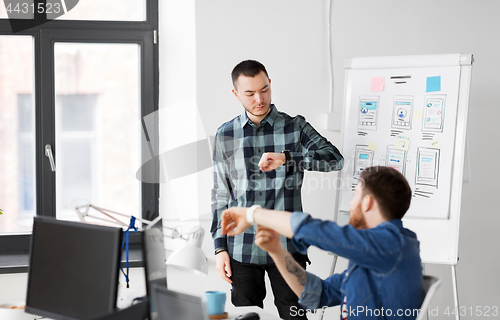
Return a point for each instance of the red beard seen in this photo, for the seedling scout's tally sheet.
(357, 219)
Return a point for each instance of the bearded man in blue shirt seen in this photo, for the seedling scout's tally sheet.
(259, 159)
(384, 277)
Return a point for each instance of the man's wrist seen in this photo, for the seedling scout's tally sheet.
(250, 212)
(280, 251)
(219, 251)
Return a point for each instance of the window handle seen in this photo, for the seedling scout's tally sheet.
(48, 154)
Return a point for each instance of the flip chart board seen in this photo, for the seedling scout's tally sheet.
(410, 113)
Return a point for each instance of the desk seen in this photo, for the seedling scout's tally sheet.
(232, 311)
(236, 311)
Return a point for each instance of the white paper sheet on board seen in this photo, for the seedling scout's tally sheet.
(404, 112)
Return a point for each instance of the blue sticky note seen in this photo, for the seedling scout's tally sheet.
(433, 84)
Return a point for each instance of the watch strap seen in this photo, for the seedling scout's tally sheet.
(250, 212)
(288, 157)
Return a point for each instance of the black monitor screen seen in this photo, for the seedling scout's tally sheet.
(174, 305)
(73, 271)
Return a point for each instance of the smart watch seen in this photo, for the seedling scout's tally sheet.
(250, 212)
(288, 157)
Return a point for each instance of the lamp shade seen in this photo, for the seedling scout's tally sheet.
(188, 258)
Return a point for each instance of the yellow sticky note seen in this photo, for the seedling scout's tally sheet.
(417, 114)
(402, 143)
(372, 146)
(436, 144)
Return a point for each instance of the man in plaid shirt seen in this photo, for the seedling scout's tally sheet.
(259, 160)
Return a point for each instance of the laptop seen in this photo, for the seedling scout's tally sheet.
(172, 305)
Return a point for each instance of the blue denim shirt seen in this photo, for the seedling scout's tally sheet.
(383, 279)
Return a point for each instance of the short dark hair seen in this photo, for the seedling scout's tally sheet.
(248, 68)
(389, 188)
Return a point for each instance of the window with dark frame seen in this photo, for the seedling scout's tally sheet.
(64, 100)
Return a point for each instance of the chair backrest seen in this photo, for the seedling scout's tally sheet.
(431, 284)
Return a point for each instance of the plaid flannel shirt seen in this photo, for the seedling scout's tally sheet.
(238, 181)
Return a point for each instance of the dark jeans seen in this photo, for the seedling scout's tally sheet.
(249, 288)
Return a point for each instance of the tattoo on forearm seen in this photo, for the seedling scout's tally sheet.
(294, 268)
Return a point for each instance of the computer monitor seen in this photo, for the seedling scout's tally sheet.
(174, 305)
(155, 270)
(73, 270)
(153, 250)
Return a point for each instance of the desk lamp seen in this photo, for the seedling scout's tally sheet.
(188, 258)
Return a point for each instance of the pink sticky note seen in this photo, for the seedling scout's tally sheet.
(377, 84)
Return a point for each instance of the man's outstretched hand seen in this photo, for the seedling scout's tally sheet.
(234, 221)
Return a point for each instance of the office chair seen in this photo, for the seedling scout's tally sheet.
(431, 284)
